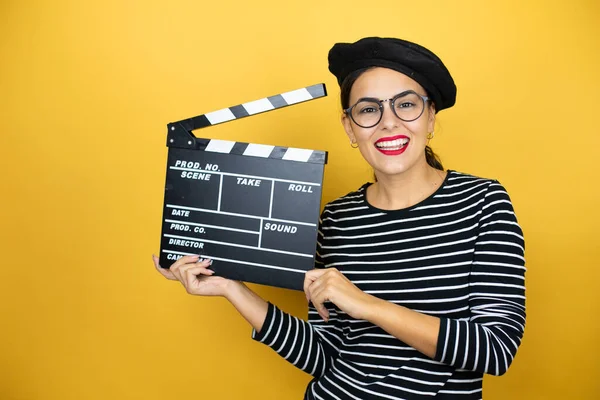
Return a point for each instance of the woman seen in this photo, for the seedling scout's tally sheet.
(419, 286)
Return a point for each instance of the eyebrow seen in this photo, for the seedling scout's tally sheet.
(394, 96)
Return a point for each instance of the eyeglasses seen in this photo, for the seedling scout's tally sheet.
(368, 111)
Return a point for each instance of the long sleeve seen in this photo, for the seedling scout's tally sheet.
(307, 345)
(310, 346)
(488, 341)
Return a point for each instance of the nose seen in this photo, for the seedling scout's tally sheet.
(388, 119)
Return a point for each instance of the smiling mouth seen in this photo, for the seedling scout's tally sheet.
(392, 146)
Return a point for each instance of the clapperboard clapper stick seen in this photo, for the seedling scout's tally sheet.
(252, 208)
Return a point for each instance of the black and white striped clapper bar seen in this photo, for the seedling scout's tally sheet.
(252, 208)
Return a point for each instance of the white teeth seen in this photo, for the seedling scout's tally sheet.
(392, 143)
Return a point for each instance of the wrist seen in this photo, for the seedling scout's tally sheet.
(233, 289)
(374, 308)
(251, 306)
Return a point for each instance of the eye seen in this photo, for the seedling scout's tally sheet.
(405, 104)
(369, 110)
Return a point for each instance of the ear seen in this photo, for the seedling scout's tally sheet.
(431, 119)
(347, 124)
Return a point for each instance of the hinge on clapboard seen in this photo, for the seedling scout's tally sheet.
(180, 137)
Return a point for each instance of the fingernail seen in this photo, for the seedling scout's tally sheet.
(211, 262)
(200, 260)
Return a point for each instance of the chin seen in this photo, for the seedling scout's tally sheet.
(391, 171)
(390, 166)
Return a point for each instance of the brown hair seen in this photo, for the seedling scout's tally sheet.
(432, 158)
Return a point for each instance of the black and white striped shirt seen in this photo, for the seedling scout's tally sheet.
(457, 255)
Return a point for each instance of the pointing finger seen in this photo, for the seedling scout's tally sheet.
(185, 260)
(201, 266)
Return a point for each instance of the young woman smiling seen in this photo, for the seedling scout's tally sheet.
(418, 288)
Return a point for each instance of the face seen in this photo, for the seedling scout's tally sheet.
(393, 146)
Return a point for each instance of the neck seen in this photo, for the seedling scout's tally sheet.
(395, 192)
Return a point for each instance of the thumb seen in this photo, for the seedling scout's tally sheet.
(199, 270)
(323, 311)
(191, 274)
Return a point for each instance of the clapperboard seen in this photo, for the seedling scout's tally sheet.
(252, 208)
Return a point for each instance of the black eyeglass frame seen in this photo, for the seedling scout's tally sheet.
(348, 111)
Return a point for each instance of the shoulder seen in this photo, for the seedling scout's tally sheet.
(458, 178)
(489, 194)
(457, 181)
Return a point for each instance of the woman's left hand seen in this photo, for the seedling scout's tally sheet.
(322, 285)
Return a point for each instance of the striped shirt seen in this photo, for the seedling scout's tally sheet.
(457, 255)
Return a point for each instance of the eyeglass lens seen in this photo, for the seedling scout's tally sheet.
(407, 107)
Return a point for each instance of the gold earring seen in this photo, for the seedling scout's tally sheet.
(430, 135)
(353, 143)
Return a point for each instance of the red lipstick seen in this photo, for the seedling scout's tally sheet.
(393, 149)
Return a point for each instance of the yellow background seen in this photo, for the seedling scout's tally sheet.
(86, 91)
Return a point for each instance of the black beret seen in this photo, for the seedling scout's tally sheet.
(400, 55)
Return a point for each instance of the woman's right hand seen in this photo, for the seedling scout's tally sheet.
(197, 279)
(194, 275)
